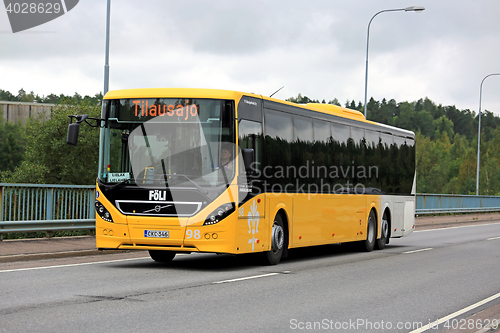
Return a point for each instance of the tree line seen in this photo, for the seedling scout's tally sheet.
(31, 97)
(446, 143)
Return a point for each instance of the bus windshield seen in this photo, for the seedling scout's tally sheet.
(168, 141)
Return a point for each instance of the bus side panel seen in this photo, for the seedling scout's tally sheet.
(253, 226)
(402, 214)
(409, 216)
(325, 219)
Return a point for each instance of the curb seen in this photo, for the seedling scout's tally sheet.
(55, 255)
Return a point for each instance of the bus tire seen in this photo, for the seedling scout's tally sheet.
(384, 233)
(371, 232)
(273, 256)
(161, 256)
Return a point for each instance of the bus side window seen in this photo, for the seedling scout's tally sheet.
(250, 137)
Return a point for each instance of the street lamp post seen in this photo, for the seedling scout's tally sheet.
(106, 61)
(417, 9)
(479, 131)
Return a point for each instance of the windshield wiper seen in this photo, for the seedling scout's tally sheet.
(112, 188)
(167, 175)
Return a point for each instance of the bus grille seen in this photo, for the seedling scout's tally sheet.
(158, 208)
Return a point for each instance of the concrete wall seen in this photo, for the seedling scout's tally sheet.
(19, 112)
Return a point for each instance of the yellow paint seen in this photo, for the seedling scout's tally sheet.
(253, 229)
(312, 219)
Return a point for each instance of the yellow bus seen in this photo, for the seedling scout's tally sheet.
(202, 170)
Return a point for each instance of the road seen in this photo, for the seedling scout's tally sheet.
(418, 279)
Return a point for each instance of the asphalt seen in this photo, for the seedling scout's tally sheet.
(63, 247)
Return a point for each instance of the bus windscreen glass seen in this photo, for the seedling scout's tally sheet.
(174, 141)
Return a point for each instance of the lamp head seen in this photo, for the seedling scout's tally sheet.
(417, 9)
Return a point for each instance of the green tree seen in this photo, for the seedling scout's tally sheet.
(11, 145)
(49, 160)
(334, 101)
(443, 125)
(405, 116)
(301, 99)
(424, 122)
(458, 151)
(6, 96)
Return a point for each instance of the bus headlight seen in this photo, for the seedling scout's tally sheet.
(219, 214)
(103, 212)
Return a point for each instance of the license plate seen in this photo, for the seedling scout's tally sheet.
(155, 233)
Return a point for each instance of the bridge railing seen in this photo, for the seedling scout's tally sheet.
(454, 203)
(30, 207)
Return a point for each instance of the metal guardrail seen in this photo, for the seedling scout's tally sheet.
(32, 207)
(454, 203)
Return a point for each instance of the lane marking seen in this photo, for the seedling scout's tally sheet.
(414, 251)
(455, 314)
(462, 226)
(248, 278)
(71, 265)
(492, 238)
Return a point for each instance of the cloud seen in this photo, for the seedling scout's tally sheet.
(316, 48)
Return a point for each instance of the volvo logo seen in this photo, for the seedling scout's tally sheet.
(157, 209)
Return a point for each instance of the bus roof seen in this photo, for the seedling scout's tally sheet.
(236, 95)
(174, 93)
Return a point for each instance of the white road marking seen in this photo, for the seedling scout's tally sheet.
(492, 238)
(455, 314)
(71, 265)
(414, 251)
(247, 278)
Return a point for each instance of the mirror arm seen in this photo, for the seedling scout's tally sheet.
(84, 118)
(74, 128)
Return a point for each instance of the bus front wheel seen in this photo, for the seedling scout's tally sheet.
(273, 257)
(161, 256)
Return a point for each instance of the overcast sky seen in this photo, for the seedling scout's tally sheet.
(315, 47)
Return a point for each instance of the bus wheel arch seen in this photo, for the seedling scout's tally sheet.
(385, 230)
(162, 256)
(286, 226)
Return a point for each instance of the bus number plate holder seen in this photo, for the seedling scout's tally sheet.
(156, 233)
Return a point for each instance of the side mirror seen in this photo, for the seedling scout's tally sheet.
(248, 159)
(73, 130)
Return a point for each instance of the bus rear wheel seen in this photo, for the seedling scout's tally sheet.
(384, 233)
(161, 256)
(371, 233)
(273, 257)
